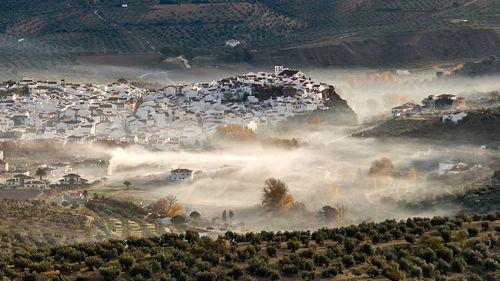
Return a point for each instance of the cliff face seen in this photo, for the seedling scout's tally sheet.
(339, 112)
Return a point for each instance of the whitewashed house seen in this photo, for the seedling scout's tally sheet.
(181, 174)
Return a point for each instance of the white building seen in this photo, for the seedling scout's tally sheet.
(232, 43)
(454, 117)
(181, 174)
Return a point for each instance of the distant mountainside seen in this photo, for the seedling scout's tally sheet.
(41, 34)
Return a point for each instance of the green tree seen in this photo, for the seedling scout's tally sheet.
(41, 173)
(127, 184)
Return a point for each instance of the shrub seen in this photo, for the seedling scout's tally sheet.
(308, 275)
(349, 245)
(415, 271)
(243, 254)
(443, 266)
(485, 226)
(373, 271)
(210, 257)
(356, 271)
(271, 251)
(458, 265)
(410, 238)
(490, 264)
(329, 272)
(428, 255)
(445, 234)
(490, 276)
(307, 254)
(293, 245)
(391, 273)
(206, 276)
(235, 272)
(126, 261)
(377, 262)
(366, 249)
(333, 251)
(109, 273)
(165, 277)
(93, 262)
(472, 231)
(428, 270)
(348, 260)
(289, 269)
(204, 266)
(144, 269)
(471, 256)
(321, 260)
(475, 277)
(445, 253)
(275, 275)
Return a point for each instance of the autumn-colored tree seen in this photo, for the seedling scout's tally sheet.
(286, 143)
(412, 174)
(381, 167)
(165, 205)
(176, 210)
(351, 80)
(276, 197)
(334, 189)
(314, 120)
(234, 132)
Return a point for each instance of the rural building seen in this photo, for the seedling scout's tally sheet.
(181, 174)
(407, 108)
(72, 179)
(232, 43)
(4, 166)
(454, 117)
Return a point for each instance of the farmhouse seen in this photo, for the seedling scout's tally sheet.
(406, 108)
(181, 174)
(72, 179)
(232, 43)
(454, 117)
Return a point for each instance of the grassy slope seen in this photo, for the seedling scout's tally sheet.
(61, 30)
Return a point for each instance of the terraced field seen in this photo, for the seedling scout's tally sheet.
(55, 33)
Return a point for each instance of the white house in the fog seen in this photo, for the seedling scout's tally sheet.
(181, 174)
(454, 117)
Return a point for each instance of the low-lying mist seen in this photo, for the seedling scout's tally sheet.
(323, 171)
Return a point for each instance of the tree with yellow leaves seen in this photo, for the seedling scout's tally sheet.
(167, 206)
(176, 210)
(276, 197)
(412, 174)
(234, 132)
(334, 190)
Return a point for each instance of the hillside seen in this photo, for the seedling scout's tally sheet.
(39, 223)
(478, 128)
(437, 248)
(50, 34)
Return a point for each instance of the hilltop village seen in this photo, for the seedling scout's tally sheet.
(162, 119)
